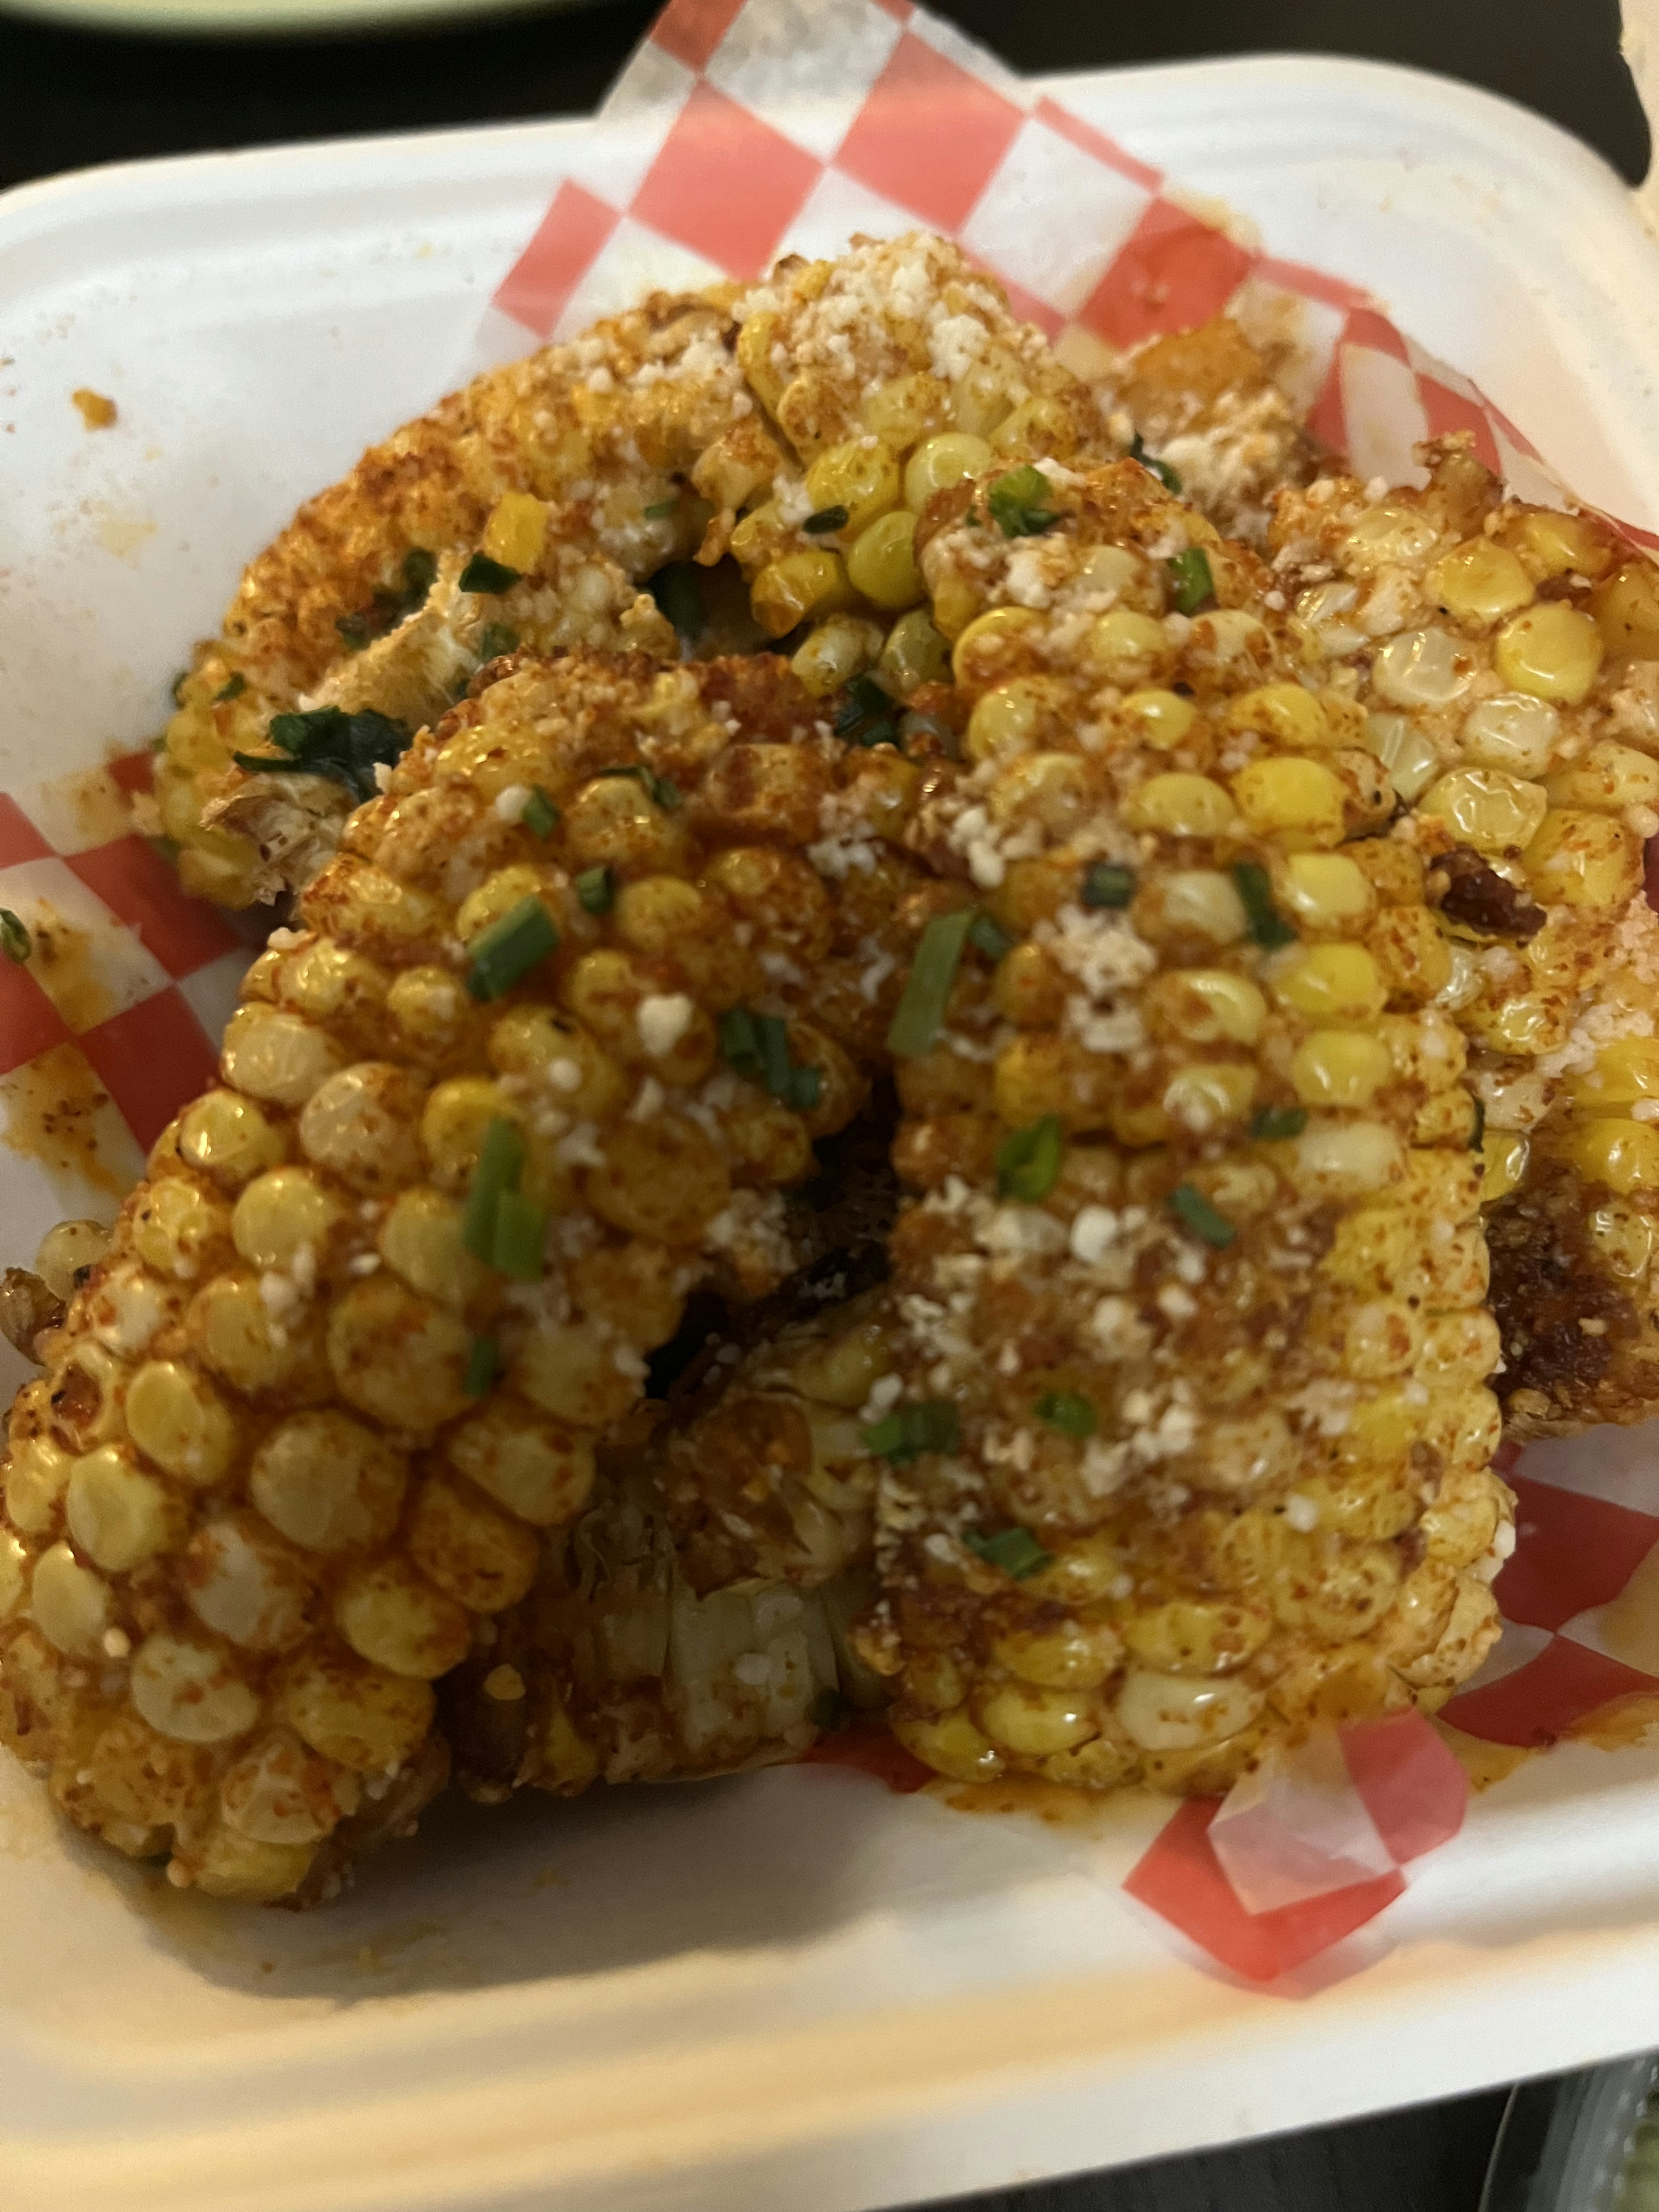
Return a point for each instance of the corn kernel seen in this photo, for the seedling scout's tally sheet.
(787, 590)
(483, 1558)
(1349, 1593)
(1330, 983)
(233, 1331)
(361, 1126)
(365, 1718)
(1339, 1067)
(241, 1583)
(1126, 648)
(837, 652)
(860, 476)
(188, 1690)
(915, 654)
(1627, 611)
(1076, 1656)
(1512, 732)
(1481, 581)
(392, 1617)
(1493, 811)
(1624, 1237)
(1195, 1636)
(230, 1139)
(905, 408)
(1006, 719)
(1409, 754)
(1300, 801)
(420, 1241)
(942, 461)
(1285, 711)
(1053, 790)
(1038, 426)
(1157, 718)
(327, 1483)
(1181, 1712)
(881, 562)
(1202, 901)
(119, 1515)
(1623, 1155)
(569, 1369)
(1033, 1721)
(1180, 805)
(1413, 955)
(1210, 1094)
(397, 1355)
(536, 1470)
(952, 1747)
(72, 1606)
(1504, 1159)
(1624, 1071)
(1556, 543)
(1584, 861)
(1608, 776)
(516, 531)
(1422, 668)
(1322, 890)
(281, 1213)
(1348, 1160)
(1552, 651)
(987, 643)
(1210, 1006)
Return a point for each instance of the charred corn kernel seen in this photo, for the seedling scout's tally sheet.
(861, 476)
(1210, 1095)
(1210, 1006)
(230, 1139)
(1323, 890)
(327, 1482)
(516, 531)
(536, 1470)
(1556, 544)
(1479, 581)
(187, 1688)
(788, 591)
(1627, 612)
(1181, 1712)
(1180, 805)
(903, 409)
(1284, 712)
(1021, 1717)
(988, 644)
(1583, 860)
(119, 1515)
(1608, 775)
(1623, 1156)
(1194, 1636)
(1504, 1155)
(1487, 808)
(837, 652)
(881, 562)
(281, 1215)
(915, 654)
(1410, 755)
(1512, 731)
(1157, 718)
(1339, 1067)
(1127, 647)
(1551, 652)
(1330, 983)
(941, 461)
(1300, 801)
(71, 1605)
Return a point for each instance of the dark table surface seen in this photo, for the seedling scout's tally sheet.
(72, 98)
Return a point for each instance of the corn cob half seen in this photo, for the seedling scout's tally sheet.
(534, 1065)
(1188, 1441)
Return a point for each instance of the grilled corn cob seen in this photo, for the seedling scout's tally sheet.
(1503, 657)
(532, 1066)
(800, 425)
(1188, 1443)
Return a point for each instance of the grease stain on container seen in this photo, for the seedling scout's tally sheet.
(121, 534)
(55, 1112)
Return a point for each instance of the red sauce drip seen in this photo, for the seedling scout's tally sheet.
(870, 1747)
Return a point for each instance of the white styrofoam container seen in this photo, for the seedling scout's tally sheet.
(791, 1991)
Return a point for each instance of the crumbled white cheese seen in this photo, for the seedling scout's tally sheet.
(663, 1020)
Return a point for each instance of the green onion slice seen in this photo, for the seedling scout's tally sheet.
(596, 890)
(826, 520)
(757, 1046)
(1028, 1162)
(661, 790)
(481, 574)
(926, 1424)
(501, 1162)
(1022, 503)
(921, 1014)
(1069, 1412)
(1108, 884)
(988, 936)
(482, 1361)
(1189, 1206)
(1275, 1123)
(1194, 587)
(1267, 926)
(1015, 1550)
(660, 509)
(510, 948)
(232, 688)
(540, 814)
(519, 1235)
(1165, 475)
(14, 940)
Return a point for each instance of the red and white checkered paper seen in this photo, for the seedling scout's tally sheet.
(746, 131)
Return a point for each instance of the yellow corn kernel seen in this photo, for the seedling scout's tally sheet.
(1323, 890)
(282, 1214)
(613, 822)
(499, 893)
(398, 1356)
(987, 643)
(483, 1558)
(529, 1464)
(915, 654)
(1007, 720)
(1199, 902)
(230, 1139)
(759, 532)
(1409, 754)
(860, 476)
(953, 1745)
(1627, 610)
(1410, 952)
(392, 1617)
(1033, 1721)
(1127, 647)
(232, 1328)
(905, 408)
(1504, 1162)
(1348, 1160)
(1459, 1350)
(1210, 1006)
(188, 1689)
(1053, 789)
(1525, 1024)
(1379, 1338)
(579, 1076)
(1195, 1636)
(1039, 1075)
(327, 1483)
(1076, 1656)
(569, 1369)
(1557, 545)
(245, 1585)
(1210, 1094)
(980, 398)
(1180, 805)
(1330, 983)
(1299, 801)
(881, 562)
(942, 461)
(1492, 810)
(1157, 718)
(787, 591)
(1339, 1067)
(516, 531)
(453, 1123)
(1584, 861)
(1029, 988)
(757, 340)
(1623, 1155)
(277, 1056)
(361, 1126)
(178, 1420)
(1624, 1238)
(1285, 711)
(837, 652)
(430, 1008)
(1481, 581)
(730, 471)
(1039, 427)
(1552, 651)
(178, 1229)
(1608, 776)
(1346, 1594)
(1183, 1712)
(71, 1605)
(1624, 1072)
(1512, 732)
(364, 1718)
(420, 1241)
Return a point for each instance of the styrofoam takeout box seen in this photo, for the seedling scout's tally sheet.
(790, 1992)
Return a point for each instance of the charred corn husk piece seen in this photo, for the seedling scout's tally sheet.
(1503, 658)
(531, 1067)
(693, 1619)
(799, 425)
(1192, 1441)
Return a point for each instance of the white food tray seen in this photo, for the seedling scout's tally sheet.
(790, 1992)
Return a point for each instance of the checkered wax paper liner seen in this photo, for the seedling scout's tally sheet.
(745, 132)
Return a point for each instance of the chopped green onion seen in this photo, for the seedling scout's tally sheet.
(1108, 883)
(501, 1162)
(14, 940)
(756, 1047)
(481, 574)
(830, 1712)
(926, 1424)
(1028, 1162)
(662, 791)
(233, 689)
(1477, 1140)
(772, 1039)
(826, 520)
(986, 935)
(389, 607)
(1165, 475)
(866, 718)
(805, 1089)
(920, 1015)
(177, 686)
(327, 741)
(1275, 1123)
(1194, 587)
(660, 509)
(1021, 503)
(420, 573)
(1267, 926)
(540, 815)
(678, 592)
(510, 948)
(739, 1047)
(1190, 1205)
(1069, 1412)
(1015, 1550)
(516, 1247)
(496, 639)
(596, 890)
(482, 1361)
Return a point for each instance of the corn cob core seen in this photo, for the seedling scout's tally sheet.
(839, 396)
(1215, 1435)
(693, 1619)
(264, 1494)
(1503, 657)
